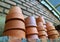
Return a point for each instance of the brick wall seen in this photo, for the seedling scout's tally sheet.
(29, 7)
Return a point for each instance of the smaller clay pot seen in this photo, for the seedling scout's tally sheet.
(15, 24)
(30, 21)
(52, 32)
(15, 33)
(49, 24)
(50, 28)
(43, 37)
(40, 19)
(53, 37)
(40, 26)
(42, 33)
(15, 12)
(32, 37)
(31, 30)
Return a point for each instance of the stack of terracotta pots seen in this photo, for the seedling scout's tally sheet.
(14, 25)
(41, 29)
(52, 32)
(31, 29)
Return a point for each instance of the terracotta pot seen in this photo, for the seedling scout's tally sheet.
(32, 37)
(53, 37)
(52, 32)
(30, 21)
(15, 24)
(40, 19)
(49, 24)
(42, 33)
(40, 26)
(15, 33)
(50, 28)
(43, 37)
(15, 12)
(31, 30)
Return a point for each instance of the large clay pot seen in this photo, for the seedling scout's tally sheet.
(40, 26)
(40, 19)
(53, 32)
(53, 37)
(15, 24)
(15, 12)
(31, 30)
(42, 33)
(32, 37)
(15, 33)
(30, 21)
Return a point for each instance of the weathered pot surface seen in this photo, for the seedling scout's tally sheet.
(49, 24)
(40, 19)
(54, 37)
(15, 12)
(15, 24)
(50, 28)
(52, 32)
(30, 21)
(42, 33)
(31, 30)
(40, 26)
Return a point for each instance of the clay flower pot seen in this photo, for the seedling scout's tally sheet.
(15, 24)
(40, 26)
(41, 33)
(32, 37)
(31, 30)
(53, 37)
(30, 21)
(40, 19)
(53, 32)
(15, 12)
(49, 26)
(15, 33)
